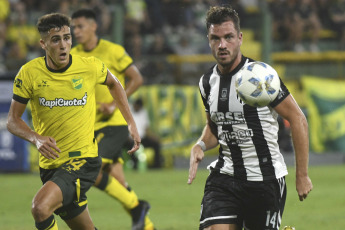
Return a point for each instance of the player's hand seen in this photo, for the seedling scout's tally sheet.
(303, 187)
(107, 108)
(136, 139)
(47, 147)
(196, 156)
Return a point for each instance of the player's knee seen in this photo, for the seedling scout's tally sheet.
(40, 211)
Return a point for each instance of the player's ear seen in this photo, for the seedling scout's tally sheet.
(209, 44)
(240, 37)
(94, 25)
(42, 43)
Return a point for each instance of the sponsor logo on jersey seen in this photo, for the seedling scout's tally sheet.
(236, 137)
(43, 84)
(228, 118)
(77, 83)
(232, 118)
(18, 82)
(61, 102)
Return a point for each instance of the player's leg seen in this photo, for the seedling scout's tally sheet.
(118, 189)
(129, 200)
(45, 202)
(75, 178)
(110, 143)
(264, 209)
(106, 137)
(116, 170)
(139, 212)
(221, 207)
(108, 184)
(81, 222)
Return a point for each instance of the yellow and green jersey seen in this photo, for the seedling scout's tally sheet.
(62, 104)
(117, 61)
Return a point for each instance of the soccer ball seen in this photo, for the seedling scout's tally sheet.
(289, 228)
(257, 84)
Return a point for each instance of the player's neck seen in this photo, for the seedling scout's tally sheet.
(91, 43)
(225, 69)
(55, 65)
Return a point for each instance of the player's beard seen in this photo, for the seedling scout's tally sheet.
(232, 58)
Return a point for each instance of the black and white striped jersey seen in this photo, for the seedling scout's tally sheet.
(248, 136)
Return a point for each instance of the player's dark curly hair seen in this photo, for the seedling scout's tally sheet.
(87, 13)
(220, 14)
(53, 20)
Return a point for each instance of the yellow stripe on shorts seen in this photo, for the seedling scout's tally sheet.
(77, 183)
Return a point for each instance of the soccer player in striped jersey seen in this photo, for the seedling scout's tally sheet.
(61, 91)
(246, 186)
(111, 129)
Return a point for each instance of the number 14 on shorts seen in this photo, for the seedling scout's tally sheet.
(271, 219)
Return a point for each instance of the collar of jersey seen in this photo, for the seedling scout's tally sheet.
(59, 70)
(88, 51)
(243, 61)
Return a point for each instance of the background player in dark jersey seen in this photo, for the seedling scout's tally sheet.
(61, 92)
(246, 186)
(111, 129)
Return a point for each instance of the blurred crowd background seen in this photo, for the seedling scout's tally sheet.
(304, 40)
(152, 29)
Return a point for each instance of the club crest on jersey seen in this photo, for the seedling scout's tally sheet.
(77, 83)
(223, 96)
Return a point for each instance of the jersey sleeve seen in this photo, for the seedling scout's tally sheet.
(102, 71)
(22, 87)
(122, 59)
(283, 93)
(203, 92)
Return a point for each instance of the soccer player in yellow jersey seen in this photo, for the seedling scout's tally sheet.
(61, 91)
(111, 127)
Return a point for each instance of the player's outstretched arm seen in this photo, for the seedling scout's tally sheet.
(289, 110)
(15, 124)
(119, 95)
(209, 141)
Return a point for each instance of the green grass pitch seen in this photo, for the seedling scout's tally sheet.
(176, 205)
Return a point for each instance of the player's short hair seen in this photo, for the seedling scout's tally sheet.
(53, 20)
(87, 13)
(220, 14)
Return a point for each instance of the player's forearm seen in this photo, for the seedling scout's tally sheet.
(121, 100)
(19, 128)
(299, 131)
(132, 86)
(208, 138)
(135, 80)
